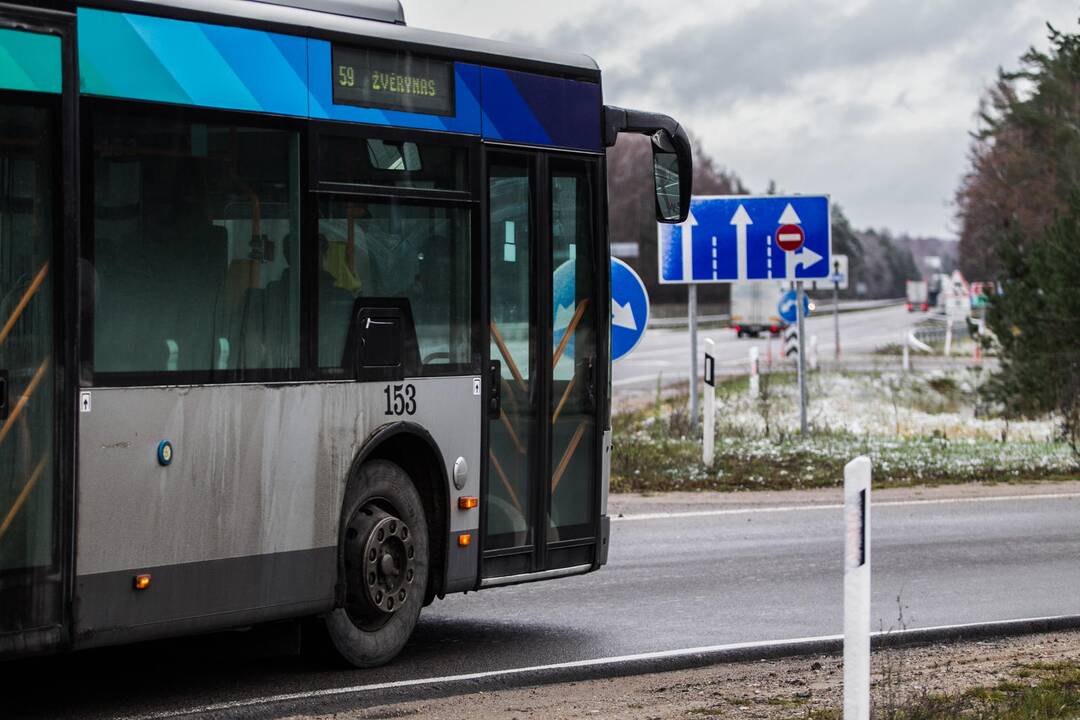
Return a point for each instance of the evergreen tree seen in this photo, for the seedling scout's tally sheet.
(1019, 208)
(1036, 319)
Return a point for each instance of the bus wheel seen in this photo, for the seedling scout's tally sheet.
(385, 548)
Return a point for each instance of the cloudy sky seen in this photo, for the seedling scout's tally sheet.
(870, 101)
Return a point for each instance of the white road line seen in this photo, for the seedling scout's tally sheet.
(797, 508)
(792, 644)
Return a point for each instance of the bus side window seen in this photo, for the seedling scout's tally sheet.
(185, 221)
(388, 249)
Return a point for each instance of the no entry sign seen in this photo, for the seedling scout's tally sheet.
(790, 238)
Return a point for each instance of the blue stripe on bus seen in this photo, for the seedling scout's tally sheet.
(140, 57)
(29, 61)
(175, 61)
(541, 110)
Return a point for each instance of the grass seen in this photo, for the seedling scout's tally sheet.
(1045, 692)
(918, 430)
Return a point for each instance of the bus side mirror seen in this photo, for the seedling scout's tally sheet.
(673, 164)
(668, 180)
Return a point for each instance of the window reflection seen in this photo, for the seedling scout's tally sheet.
(194, 248)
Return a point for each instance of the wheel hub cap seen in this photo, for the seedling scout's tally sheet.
(388, 564)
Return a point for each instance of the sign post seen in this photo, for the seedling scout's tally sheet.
(836, 311)
(755, 377)
(801, 298)
(857, 589)
(691, 309)
(709, 424)
(793, 308)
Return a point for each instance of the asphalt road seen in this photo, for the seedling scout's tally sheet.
(673, 582)
(666, 352)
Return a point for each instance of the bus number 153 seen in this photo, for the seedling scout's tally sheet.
(401, 400)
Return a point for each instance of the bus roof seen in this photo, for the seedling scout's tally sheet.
(381, 10)
(380, 22)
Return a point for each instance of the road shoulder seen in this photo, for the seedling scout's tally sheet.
(782, 689)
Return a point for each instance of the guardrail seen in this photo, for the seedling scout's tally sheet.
(845, 306)
(934, 331)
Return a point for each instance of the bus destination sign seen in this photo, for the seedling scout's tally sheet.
(393, 81)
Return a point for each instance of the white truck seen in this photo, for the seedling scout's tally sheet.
(753, 308)
(917, 295)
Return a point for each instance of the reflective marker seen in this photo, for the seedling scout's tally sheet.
(857, 589)
(464, 539)
(142, 582)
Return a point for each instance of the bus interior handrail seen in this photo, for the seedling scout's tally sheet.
(35, 285)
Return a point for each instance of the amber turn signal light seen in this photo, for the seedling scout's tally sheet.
(464, 539)
(467, 503)
(142, 582)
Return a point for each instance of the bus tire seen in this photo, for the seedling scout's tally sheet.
(385, 556)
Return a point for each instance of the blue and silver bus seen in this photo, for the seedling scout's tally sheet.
(304, 313)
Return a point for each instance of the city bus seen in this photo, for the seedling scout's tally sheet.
(304, 314)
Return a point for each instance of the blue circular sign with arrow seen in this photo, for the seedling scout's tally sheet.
(786, 307)
(629, 309)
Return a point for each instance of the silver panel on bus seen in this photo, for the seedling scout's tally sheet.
(257, 472)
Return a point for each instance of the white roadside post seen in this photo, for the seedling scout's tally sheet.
(857, 589)
(907, 356)
(709, 429)
(813, 353)
(948, 333)
(755, 379)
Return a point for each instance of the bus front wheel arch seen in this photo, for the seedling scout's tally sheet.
(412, 448)
(385, 548)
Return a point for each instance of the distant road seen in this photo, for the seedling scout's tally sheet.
(666, 352)
(822, 306)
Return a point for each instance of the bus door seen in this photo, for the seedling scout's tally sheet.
(32, 55)
(541, 503)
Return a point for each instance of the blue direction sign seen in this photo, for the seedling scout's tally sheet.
(786, 308)
(629, 309)
(732, 238)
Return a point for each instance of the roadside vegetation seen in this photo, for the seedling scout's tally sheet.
(1040, 691)
(917, 428)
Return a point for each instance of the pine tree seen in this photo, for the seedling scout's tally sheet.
(1036, 320)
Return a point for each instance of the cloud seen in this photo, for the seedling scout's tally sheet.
(868, 100)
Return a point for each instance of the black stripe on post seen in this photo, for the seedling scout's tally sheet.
(862, 528)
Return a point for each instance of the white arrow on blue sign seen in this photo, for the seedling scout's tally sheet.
(730, 238)
(629, 309)
(786, 308)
